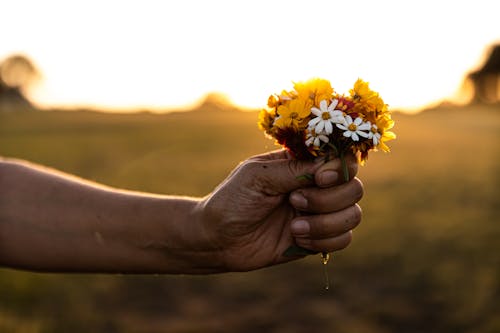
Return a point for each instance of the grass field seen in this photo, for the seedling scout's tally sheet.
(425, 258)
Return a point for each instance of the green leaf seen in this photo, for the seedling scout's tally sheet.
(295, 250)
(306, 176)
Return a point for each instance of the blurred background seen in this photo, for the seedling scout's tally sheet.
(125, 92)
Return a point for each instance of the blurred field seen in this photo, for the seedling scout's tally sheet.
(425, 259)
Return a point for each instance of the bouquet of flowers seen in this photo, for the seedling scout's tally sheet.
(313, 120)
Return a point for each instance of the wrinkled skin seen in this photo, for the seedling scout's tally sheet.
(265, 206)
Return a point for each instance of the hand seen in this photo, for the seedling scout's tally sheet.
(58, 223)
(253, 216)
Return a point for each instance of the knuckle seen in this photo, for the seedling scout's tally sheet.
(357, 214)
(319, 226)
(249, 173)
(345, 240)
(357, 189)
(249, 166)
(314, 201)
(334, 244)
(354, 169)
(293, 167)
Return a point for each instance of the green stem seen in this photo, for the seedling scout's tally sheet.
(334, 148)
(344, 166)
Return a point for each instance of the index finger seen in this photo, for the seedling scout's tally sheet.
(333, 172)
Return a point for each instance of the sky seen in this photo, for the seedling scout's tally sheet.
(168, 54)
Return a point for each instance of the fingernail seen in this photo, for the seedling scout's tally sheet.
(300, 227)
(298, 200)
(327, 178)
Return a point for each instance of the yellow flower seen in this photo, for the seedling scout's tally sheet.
(362, 91)
(367, 102)
(266, 120)
(315, 89)
(384, 124)
(287, 95)
(272, 101)
(293, 113)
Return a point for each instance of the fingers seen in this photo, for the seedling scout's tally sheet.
(277, 173)
(326, 245)
(327, 232)
(332, 172)
(272, 175)
(326, 173)
(326, 200)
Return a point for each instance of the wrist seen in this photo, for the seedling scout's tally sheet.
(190, 239)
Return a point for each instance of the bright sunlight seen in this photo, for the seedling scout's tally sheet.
(166, 54)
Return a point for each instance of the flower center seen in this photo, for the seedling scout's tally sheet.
(374, 130)
(352, 127)
(294, 115)
(325, 115)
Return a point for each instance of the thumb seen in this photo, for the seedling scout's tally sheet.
(278, 173)
(334, 171)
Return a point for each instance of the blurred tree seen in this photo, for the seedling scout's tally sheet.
(485, 81)
(216, 101)
(17, 74)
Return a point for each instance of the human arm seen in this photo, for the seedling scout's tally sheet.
(50, 221)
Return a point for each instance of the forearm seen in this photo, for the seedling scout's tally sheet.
(54, 222)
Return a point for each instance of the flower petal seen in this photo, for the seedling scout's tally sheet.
(342, 126)
(323, 105)
(328, 127)
(364, 127)
(323, 138)
(389, 136)
(316, 111)
(338, 120)
(361, 133)
(355, 137)
(337, 113)
(333, 105)
(319, 127)
(314, 121)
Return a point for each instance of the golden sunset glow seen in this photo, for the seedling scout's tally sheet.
(168, 54)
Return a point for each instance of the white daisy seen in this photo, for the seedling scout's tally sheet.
(374, 135)
(315, 138)
(326, 115)
(354, 129)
